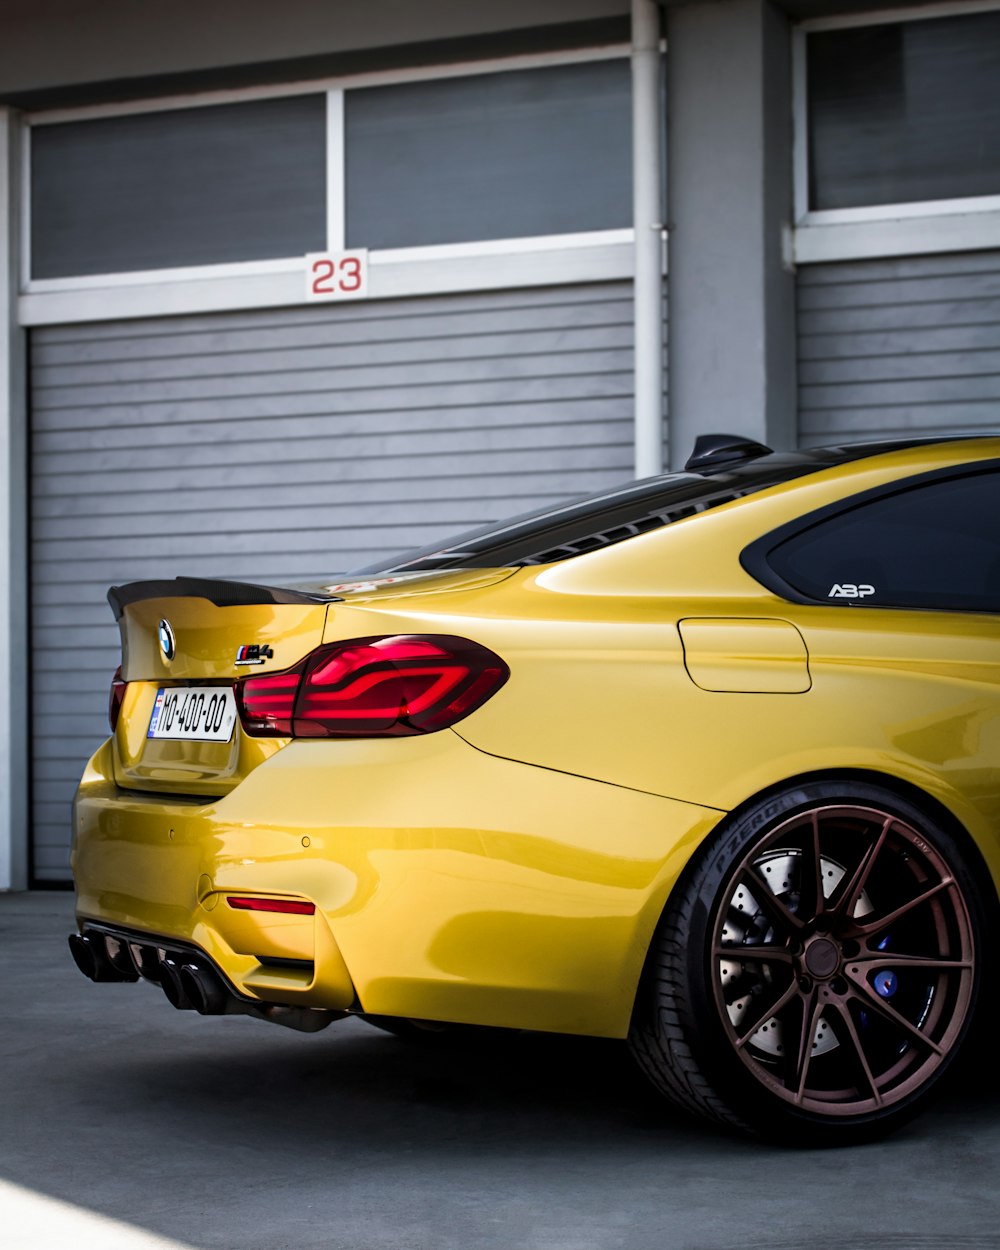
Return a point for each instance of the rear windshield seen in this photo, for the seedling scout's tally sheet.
(571, 528)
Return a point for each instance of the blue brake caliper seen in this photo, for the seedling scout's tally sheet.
(885, 981)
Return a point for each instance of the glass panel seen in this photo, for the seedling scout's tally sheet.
(905, 112)
(568, 529)
(193, 186)
(933, 546)
(505, 155)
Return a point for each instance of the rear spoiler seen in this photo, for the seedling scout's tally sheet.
(223, 594)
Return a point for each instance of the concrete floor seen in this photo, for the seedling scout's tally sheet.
(125, 1125)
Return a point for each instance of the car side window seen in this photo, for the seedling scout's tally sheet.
(935, 545)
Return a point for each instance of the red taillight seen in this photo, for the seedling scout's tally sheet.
(266, 703)
(288, 906)
(116, 698)
(369, 687)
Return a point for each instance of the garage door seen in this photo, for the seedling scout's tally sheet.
(291, 444)
(899, 347)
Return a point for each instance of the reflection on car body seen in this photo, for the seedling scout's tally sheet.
(708, 762)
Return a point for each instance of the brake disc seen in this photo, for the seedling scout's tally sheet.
(747, 924)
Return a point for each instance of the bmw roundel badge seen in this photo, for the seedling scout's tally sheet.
(166, 635)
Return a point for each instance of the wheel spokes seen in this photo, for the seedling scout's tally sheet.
(781, 918)
(873, 960)
(883, 922)
(873, 1000)
(853, 1038)
(811, 1011)
(812, 901)
(831, 1023)
(765, 953)
(762, 1014)
(849, 893)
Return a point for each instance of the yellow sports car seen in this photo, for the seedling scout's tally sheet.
(709, 762)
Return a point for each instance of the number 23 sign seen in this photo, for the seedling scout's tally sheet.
(336, 275)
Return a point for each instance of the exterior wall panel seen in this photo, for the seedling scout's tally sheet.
(891, 348)
(292, 445)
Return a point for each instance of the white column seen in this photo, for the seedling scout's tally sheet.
(14, 659)
(647, 181)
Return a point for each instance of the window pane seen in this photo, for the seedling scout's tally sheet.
(182, 187)
(505, 155)
(567, 529)
(905, 112)
(933, 546)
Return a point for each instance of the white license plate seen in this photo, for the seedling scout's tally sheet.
(194, 714)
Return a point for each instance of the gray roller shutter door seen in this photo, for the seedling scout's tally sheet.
(899, 347)
(291, 444)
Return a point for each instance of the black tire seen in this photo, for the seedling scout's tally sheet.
(797, 1040)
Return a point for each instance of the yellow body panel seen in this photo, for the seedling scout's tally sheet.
(511, 871)
(211, 636)
(745, 655)
(468, 888)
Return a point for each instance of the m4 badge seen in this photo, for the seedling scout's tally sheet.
(253, 654)
(848, 590)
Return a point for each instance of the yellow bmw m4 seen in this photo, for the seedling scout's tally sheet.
(710, 762)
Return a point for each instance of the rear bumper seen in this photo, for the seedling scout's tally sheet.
(448, 884)
(153, 865)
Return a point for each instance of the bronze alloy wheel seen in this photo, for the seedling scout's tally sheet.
(843, 960)
(815, 971)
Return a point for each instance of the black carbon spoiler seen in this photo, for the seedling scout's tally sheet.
(223, 594)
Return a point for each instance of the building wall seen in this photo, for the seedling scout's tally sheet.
(192, 412)
(732, 349)
(50, 44)
(291, 445)
(815, 295)
(899, 347)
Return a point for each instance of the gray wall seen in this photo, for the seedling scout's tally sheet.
(732, 320)
(292, 444)
(13, 534)
(899, 347)
(49, 43)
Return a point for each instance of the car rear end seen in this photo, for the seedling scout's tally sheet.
(204, 828)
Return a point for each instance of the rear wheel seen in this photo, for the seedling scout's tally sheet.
(814, 975)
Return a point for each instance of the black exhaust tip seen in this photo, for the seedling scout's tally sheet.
(83, 955)
(120, 959)
(90, 954)
(172, 986)
(204, 990)
(146, 962)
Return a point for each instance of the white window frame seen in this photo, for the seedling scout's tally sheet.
(487, 264)
(907, 229)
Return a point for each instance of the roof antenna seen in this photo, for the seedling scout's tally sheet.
(714, 451)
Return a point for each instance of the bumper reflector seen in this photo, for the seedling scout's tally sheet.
(293, 907)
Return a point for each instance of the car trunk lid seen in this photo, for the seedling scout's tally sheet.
(186, 642)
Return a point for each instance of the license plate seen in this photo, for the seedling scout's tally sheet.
(194, 714)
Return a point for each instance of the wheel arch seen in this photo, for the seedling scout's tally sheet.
(904, 789)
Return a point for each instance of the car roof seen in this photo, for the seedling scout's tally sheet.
(571, 527)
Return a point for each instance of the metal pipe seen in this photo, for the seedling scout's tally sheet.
(205, 991)
(90, 954)
(186, 982)
(647, 182)
(170, 983)
(13, 518)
